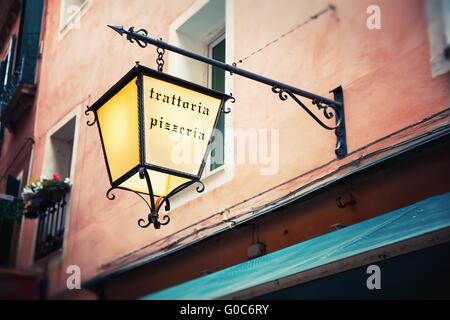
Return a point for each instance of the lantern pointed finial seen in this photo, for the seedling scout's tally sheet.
(119, 29)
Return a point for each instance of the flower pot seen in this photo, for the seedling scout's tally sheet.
(37, 205)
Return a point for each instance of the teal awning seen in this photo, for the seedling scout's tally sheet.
(424, 217)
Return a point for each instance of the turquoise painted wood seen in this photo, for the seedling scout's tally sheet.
(426, 216)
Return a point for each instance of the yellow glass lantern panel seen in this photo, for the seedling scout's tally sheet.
(118, 121)
(178, 125)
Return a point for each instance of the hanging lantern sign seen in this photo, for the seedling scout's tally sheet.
(156, 132)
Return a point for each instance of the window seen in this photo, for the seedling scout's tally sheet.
(195, 30)
(438, 14)
(217, 82)
(203, 32)
(9, 60)
(59, 153)
(202, 29)
(70, 12)
(6, 67)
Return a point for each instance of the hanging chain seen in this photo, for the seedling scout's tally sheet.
(160, 59)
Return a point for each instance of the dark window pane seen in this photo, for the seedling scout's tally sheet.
(218, 83)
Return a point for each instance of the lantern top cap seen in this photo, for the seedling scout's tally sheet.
(138, 70)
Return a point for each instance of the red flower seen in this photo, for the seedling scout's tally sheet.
(55, 177)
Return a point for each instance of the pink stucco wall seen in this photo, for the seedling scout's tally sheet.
(385, 75)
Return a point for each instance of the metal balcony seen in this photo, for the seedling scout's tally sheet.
(51, 215)
(16, 97)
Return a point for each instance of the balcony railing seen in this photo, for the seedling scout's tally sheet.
(51, 215)
(8, 91)
(15, 97)
(11, 208)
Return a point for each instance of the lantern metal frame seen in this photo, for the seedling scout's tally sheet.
(138, 72)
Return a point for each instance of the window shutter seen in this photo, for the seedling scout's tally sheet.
(30, 31)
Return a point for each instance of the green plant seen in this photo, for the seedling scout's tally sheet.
(45, 187)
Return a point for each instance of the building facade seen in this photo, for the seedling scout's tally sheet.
(20, 44)
(272, 181)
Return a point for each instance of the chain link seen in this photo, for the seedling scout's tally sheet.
(160, 58)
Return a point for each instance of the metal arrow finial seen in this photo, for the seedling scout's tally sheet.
(132, 35)
(119, 29)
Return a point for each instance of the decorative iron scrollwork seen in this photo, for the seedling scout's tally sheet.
(165, 201)
(152, 218)
(155, 205)
(130, 38)
(110, 195)
(86, 112)
(201, 187)
(226, 109)
(324, 107)
(281, 93)
(329, 111)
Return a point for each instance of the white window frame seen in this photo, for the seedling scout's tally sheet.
(58, 256)
(208, 172)
(226, 172)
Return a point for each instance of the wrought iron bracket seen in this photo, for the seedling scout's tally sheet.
(329, 110)
(340, 131)
(284, 90)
